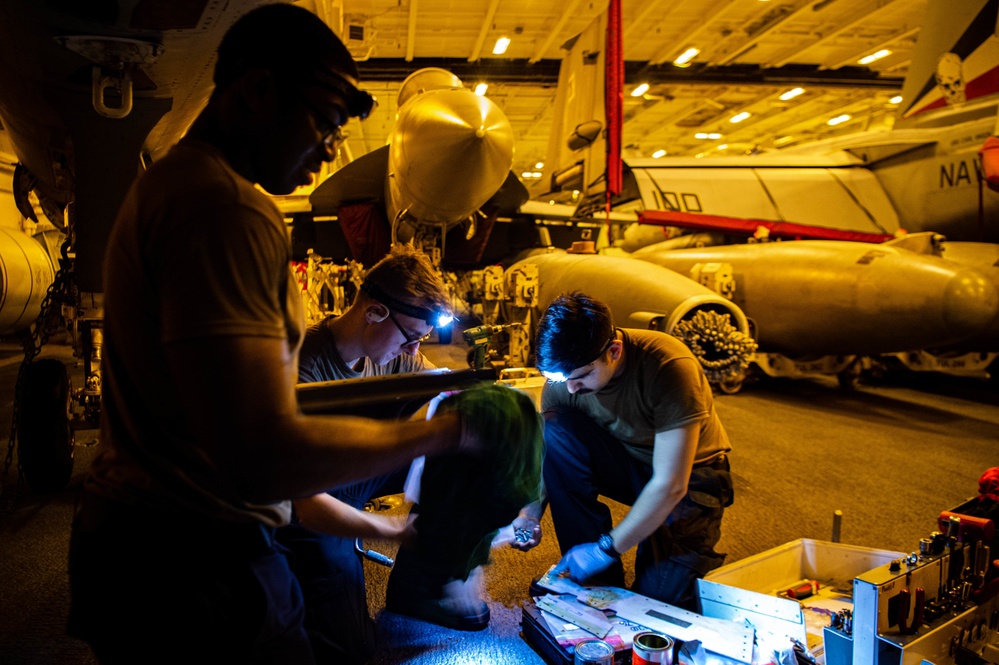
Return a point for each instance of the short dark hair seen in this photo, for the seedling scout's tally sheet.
(407, 275)
(573, 331)
(286, 39)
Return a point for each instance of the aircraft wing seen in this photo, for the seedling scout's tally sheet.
(748, 227)
(361, 180)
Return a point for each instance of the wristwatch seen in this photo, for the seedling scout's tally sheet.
(606, 544)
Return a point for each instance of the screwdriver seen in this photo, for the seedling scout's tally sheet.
(803, 590)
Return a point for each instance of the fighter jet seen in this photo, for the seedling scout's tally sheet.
(447, 164)
(924, 175)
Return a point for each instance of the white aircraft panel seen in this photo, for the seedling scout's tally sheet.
(726, 192)
(871, 195)
(816, 197)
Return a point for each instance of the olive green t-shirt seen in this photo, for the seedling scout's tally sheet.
(196, 252)
(662, 387)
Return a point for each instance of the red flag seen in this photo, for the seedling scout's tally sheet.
(614, 97)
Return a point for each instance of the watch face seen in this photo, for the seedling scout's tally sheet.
(606, 543)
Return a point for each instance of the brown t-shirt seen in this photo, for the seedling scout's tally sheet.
(662, 387)
(319, 359)
(196, 252)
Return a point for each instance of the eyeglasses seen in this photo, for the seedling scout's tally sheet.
(331, 131)
(409, 339)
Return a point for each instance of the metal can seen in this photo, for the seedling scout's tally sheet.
(650, 648)
(593, 652)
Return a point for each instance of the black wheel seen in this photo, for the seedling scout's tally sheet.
(730, 386)
(849, 378)
(45, 442)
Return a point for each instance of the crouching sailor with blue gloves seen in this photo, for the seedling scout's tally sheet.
(629, 415)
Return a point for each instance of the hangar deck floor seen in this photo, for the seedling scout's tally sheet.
(890, 456)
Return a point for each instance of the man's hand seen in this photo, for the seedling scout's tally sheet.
(526, 533)
(583, 562)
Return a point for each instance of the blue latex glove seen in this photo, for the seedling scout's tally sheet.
(583, 562)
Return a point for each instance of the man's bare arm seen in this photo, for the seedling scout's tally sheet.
(672, 461)
(326, 514)
(240, 402)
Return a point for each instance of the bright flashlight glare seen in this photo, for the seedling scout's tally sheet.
(444, 319)
(555, 377)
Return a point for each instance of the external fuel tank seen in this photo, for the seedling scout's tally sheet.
(26, 273)
(826, 297)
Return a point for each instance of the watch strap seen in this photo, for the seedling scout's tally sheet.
(606, 545)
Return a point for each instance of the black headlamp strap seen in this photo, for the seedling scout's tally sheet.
(421, 313)
(359, 102)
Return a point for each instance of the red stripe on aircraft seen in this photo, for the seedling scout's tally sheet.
(986, 84)
(689, 220)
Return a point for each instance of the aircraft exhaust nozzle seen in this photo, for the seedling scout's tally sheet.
(451, 150)
(647, 296)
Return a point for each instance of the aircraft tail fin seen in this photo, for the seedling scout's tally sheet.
(956, 60)
(577, 142)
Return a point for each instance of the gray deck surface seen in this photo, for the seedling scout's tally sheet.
(890, 456)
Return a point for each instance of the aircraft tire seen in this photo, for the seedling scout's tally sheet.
(730, 386)
(45, 441)
(849, 378)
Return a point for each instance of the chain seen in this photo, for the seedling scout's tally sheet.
(60, 292)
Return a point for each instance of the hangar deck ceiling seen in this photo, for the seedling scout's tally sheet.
(751, 52)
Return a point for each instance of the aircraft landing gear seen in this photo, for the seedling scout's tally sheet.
(45, 439)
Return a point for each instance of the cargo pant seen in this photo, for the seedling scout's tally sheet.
(584, 461)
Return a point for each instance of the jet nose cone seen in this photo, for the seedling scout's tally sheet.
(970, 303)
(451, 151)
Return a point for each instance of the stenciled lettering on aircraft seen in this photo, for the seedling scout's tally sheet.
(959, 173)
(666, 200)
(691, 202)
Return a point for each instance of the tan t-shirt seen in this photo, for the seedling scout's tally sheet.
(661, 388)
(319, 359)
(196, 251)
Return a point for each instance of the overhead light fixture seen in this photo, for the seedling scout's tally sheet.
(658, 153)
(640, 90)
(539, 165)
(783, 140)
(481, 88)
(897, 99)
(838, 120)
(723, 146)
(527, 174)
(739, 117)
(684, 59)
(707, 135)
(868, 59)
(791, 94)
(501, 45)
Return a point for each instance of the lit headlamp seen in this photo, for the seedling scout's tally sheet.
(432, 317)
(555, 377)
(560, 376)
(360, 104)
